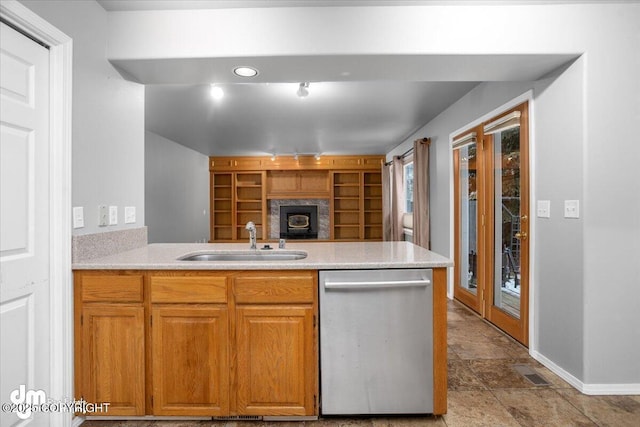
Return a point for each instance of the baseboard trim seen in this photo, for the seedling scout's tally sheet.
(589, 389)
(611, 389)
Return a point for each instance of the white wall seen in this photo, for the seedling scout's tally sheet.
(108, 118)
(557, 150)
(606, 344)
(176, 192)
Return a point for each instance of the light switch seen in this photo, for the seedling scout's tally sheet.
(103, 216)
(113, 215)
(544, 208)
(572, 209)
(78, 217)
(129, 214)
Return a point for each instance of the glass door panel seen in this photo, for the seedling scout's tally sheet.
(507, 245)
(507, 213)
(467, 266)
(468, 219)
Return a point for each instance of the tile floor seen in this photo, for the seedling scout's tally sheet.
(484, 390)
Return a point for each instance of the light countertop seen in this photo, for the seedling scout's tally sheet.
(321, 256)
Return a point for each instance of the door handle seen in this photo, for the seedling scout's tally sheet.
(373, 285)
(521, 236)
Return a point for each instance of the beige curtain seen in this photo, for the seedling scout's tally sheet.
(421, 192)
(392, 199)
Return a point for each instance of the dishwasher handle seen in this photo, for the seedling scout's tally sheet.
(377, 285)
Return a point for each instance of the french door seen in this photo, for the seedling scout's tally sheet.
(491, 208)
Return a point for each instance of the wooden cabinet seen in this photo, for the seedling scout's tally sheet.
(237, 198)
(276, 343)
(292, 184)
(356, 205)
(197, 343)
(274, 359)
(110, 341)
(189, 343)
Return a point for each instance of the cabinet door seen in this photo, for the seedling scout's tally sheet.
(190, 360)
(282, 182)
(113, 357)
(314, 182)
(277, 362)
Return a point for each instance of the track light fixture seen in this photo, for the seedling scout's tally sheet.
(303, 90)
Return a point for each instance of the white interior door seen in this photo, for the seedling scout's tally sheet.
(24, 220)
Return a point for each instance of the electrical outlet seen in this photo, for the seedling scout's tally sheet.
(103, 216)
(129, 214)
(78, 217)
(113, 215)
(572, 209)
(544, 209)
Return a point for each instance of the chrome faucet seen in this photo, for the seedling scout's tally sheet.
(252, 234)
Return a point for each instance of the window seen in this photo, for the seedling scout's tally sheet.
(407, 219)
(408, 187)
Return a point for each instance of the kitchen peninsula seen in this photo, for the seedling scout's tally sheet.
(160, 336)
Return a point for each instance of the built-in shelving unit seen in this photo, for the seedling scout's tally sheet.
(250, 203)
(356, 205)
(346, 205)
(237, 198)
(372, 205)
(222, 206)
(241, 186)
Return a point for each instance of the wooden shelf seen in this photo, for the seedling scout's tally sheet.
(356, 205)
(303, 163)
(241, 187)
(236, 198)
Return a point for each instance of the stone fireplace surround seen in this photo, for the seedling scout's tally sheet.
(323, 215)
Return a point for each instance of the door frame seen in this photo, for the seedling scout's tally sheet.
(496, 316)
(60, 133)
(525, 97)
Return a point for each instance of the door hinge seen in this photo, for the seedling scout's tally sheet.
(314, 320)
(315, 403)
(152, 401)
(482, 219)
(81, 320)
(150, 320)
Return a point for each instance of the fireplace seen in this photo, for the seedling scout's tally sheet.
(299, 222)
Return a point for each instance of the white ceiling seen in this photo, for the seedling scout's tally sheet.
(261, 119)
(357, 104)
(129, 5)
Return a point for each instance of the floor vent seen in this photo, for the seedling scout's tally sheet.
(530, 374)
(238, 418)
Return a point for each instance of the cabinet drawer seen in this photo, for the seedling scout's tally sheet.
(188, 289)
(112, 288)
(276, 288)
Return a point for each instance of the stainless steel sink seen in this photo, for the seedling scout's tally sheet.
(251, 255)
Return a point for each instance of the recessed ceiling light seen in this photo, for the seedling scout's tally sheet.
(244, 71)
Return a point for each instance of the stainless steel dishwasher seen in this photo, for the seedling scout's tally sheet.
(376, 342)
